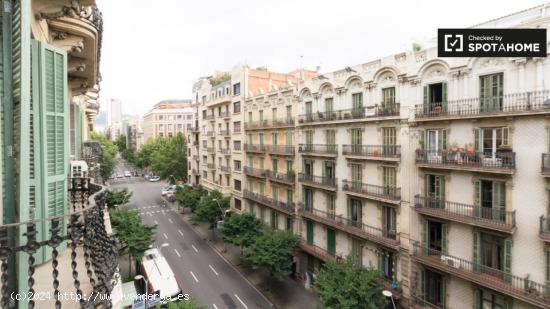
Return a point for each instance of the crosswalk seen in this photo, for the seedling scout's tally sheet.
(154, 209)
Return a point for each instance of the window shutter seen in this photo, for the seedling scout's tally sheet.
(444, 238)
(507, 259)
(349, 209)
(477, 140)
(443, 140)
(441, 196)
(442, 291)
(425, 106)
(444, 97)
(425, 233)
(477, 198)
(423, 284)
(477, 299)
(422, 139)
(499, 200)
(477, 247)
(506, 136)
(547, 252)
(428, 186)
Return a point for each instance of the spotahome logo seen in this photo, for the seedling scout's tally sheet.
(491, 42)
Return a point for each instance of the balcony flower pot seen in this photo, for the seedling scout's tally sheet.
(470, 149)
(376, 152)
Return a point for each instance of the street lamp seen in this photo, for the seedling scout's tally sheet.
(223, 219)
(139, 277)
(390, 295)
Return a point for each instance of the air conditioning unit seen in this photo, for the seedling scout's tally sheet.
(451, 261)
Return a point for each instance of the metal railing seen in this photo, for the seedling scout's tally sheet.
(318, 148)
(380, 151)
(545, 164)
(260, 198)
(254, 148)
(488, 160)
(319, 251)
(385, 192)
(225, 114)
(485, 215)
(544, 228)
(210, 117)
(318, 180)
(225, 132)
(211, 149)
(340, 220)
(254, 171)
(210, 133)
(286, 177)
(269, 124)
(491, 277)
(532, 101)
(364, 112)
(225, 169)
(281, 149)
(211, 166)
(225, 150)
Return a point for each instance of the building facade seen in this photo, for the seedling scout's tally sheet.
(168, 118)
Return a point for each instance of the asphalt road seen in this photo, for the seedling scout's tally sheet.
(201, 271)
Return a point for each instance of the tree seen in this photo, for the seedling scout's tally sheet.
(242, 230)
(109, 149)
(188, 197)
(348, 286)
(120, 142)
(272, 250)
(135, 236)
(170, 158)
(117, 197)
(185, 304)
(208, 209)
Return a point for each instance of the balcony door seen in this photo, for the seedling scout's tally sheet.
(388, 141)
(308, 169)
(490, 200)
(389, 180)
(357, 105)
(434, 237)
(356, 176)
(491, 90)
(355, 212)
(389, 222)
(492, 254)
(436, 141)
(331, 241)
(308, 111)
(433, 288)
(308, 199)
(309, 232)
(388, 98)
(328, 172)
(435, 191)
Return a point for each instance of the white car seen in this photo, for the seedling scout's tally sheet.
(127, 174)
(119, 176)
(168, 190)
(154, 178)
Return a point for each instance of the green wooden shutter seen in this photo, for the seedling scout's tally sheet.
(309, 232)
(477, 140)
(426, 106)
(425, 234)
(477, 253)
(443, 291)
(421, 139)
(477, 299)
(441, 192)
(505, 136)
(547, 253)
(499, 201)
(444, 97)
(443, 140)
(477, 198)
(444, 238)
(507, 259)
(423, 284)
(331, 241)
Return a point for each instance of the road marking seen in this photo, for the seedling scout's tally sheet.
(213, 270)
(196, 280)
(237, 296)
(170, 220)
(179, 255)
(165, 235)
(156, 222)
(195, 248)
(214, 305)
(150, 214)
(181, 233)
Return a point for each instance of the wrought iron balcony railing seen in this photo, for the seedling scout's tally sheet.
(225, 169)
(499, 161)
(330, 149)
(374, 151)
(225, 133)
(389, 193)
(386, 237)
(513, 103)
(225, 114)
(287, 177)
(269, 124)
(256, 172)
(286, 207)
(496, 219)
(225, 151)
(281, 149)
(375, 111)
(319, 252)
(495, 279)
(318, 180)
(254, 148)
(544, 229)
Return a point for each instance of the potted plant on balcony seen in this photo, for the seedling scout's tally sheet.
(454, 147)
(376, 152)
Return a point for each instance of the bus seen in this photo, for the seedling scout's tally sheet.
(160, 277)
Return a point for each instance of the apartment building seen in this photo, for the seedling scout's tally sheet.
(168, 118)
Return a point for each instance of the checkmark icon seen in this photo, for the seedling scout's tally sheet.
(453, 43)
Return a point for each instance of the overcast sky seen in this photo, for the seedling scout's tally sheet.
(154, 50)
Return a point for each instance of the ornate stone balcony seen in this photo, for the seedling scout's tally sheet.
(386, 194)
(211, 150)
(511, 104)
(518, 287)
(372, 152)
(488, 218)
(321, 182)
(287, 208)
(368, 113)
(387, 238)
(210, 117)
(321, 150)
(225, 114)
(501, 162)
(211, 166)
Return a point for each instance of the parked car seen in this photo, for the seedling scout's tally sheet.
(119, 176)
(168, 190)
(127, 174)
(154, 178)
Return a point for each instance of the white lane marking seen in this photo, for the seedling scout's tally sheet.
(181, 233)
(150, 214)
(194, 277)
(156, 222)
(214, 305)
(170, 220)
(213, 270)
(165, 235)
(195, 248)
(237, 296)
(179, 255)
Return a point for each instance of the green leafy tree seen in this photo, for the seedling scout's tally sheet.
(210, 207)
(347, 286)
(188, 197)
(117, 197)
(185, 304)
(108, 161)
(242, 230)
(272, 250)
(120, 142)
(169, 161)
(134, 236)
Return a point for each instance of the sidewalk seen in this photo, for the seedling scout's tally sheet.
(287, 294)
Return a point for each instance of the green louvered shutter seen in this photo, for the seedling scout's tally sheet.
(423, 284)
(309, 232)
(443, 140)
(444, 238)
(425, 236)
(507, 259)
(441, 197)
(51, 85)
(444, 97)
(477, 253)
(477, 140)
(499, 201)
(477, 198)
(425, 106)
(442, 291)
(477, 299)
